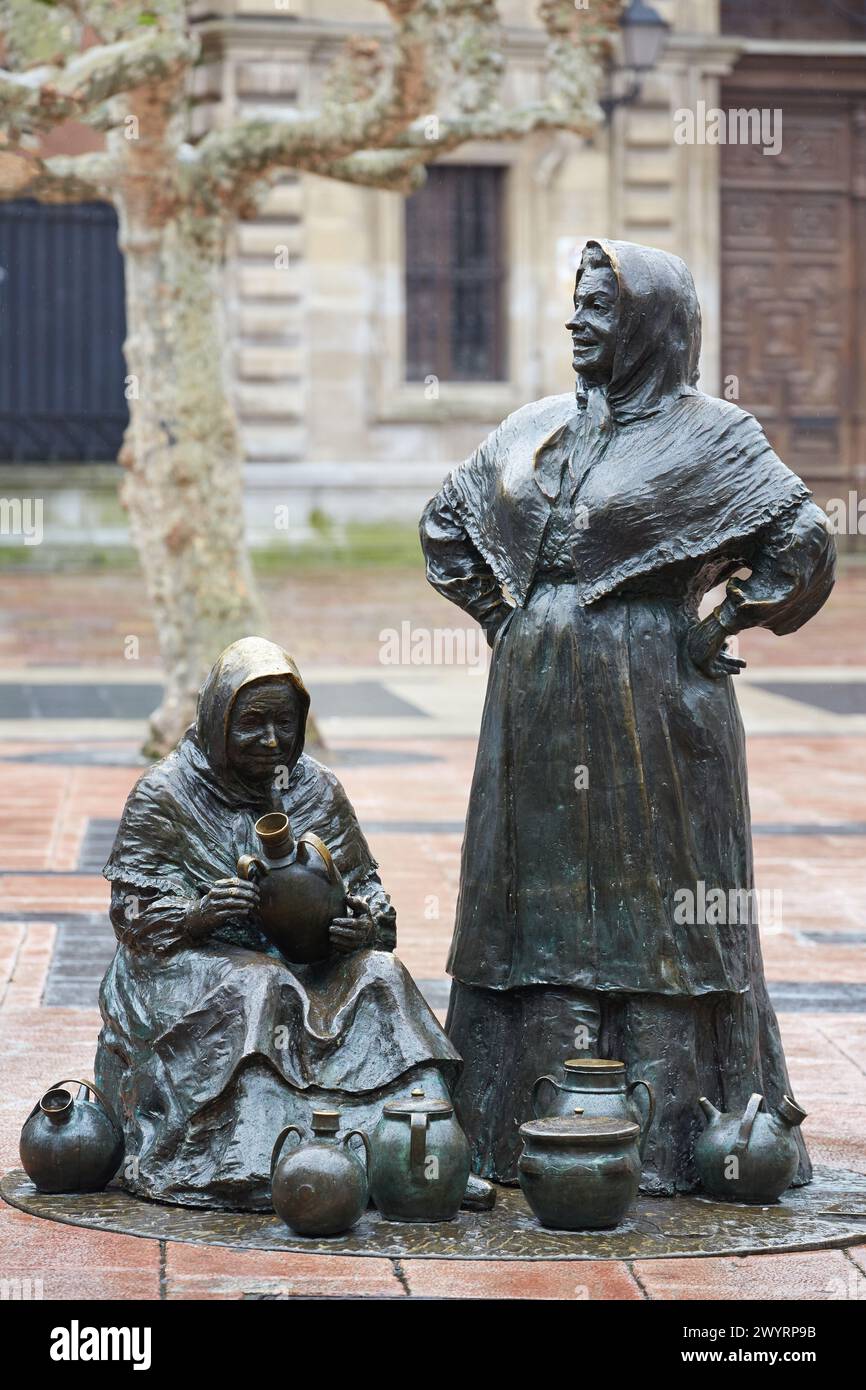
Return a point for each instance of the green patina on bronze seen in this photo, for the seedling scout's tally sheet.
(829, 1212)
(610, 786)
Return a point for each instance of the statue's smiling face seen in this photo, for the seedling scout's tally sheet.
(593, 324)
(264, 728)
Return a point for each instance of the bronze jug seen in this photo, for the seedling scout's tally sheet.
(420, 1161)
(751, 1157)
(301, 889)
(320, 1187)
(71, 1145)
(579, 1172)
(596, 1086)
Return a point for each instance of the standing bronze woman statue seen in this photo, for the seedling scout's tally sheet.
(610, 781)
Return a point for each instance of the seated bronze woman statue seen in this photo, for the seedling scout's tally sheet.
(212, 1042)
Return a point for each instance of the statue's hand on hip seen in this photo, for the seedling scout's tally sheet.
(226, 899)
(352, 933)
(706, 647)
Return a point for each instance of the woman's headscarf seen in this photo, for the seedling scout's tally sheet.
(181, 823)
(662, 471)
(658, 308)
(244, 663)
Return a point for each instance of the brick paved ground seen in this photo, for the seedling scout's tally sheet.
(63, 786)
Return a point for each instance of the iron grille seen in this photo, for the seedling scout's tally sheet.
(62, 326)
(455, 275)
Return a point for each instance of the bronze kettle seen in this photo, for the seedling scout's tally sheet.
(71, 1145)
(301, 889)
(420, 1161)
(751, 1157)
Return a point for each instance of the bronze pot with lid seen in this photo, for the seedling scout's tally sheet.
(579, 1172)
(420, 1162)
(595, 1086)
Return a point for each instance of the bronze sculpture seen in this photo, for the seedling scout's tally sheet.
(610, 774)
(212, 1043)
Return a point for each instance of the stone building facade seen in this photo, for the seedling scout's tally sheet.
(776, 241)
(329, 306)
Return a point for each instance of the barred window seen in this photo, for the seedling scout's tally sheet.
(62, 325)
(455, 275)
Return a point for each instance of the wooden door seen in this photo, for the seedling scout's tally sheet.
(793, 323)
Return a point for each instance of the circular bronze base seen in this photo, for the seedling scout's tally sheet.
(831, 1211)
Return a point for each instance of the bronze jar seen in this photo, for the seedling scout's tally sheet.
(595, 1086)
(71, 1145)
(319, 1188)
(751, 1157)
(300, 889)
(420, 1163)
(579, 1172)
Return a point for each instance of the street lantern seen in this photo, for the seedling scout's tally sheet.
(643, 37)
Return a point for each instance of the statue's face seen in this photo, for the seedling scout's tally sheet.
(593, 325)
(263, 729)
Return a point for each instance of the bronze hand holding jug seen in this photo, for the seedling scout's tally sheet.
(300, 888)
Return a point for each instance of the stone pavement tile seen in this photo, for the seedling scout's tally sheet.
(436, 788)
(548, 1279)
(76, 1263)
(60, 894)
(421, 874)
(857, 1255)
(815, 1274)
(797, 779)
(214, 1271)
(39, 1046)
(12, 936)
(26, 979)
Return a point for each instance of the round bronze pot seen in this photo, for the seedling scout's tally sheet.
(71, 1145)
(300, 888)
(319, 1188)
(579, 1172)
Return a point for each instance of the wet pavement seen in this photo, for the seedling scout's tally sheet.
(401, 737)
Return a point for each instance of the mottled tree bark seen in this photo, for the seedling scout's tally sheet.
(183, 487)
(183, 484)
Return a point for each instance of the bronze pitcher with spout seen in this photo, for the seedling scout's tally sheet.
(420, 1161)
(71, 1145)
(750, 1157)
(301, 890)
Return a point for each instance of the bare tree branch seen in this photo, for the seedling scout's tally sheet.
(231, 160)
(361, 142)
(45, 96)
(60, 179)
(401, 169)
(393, 171)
